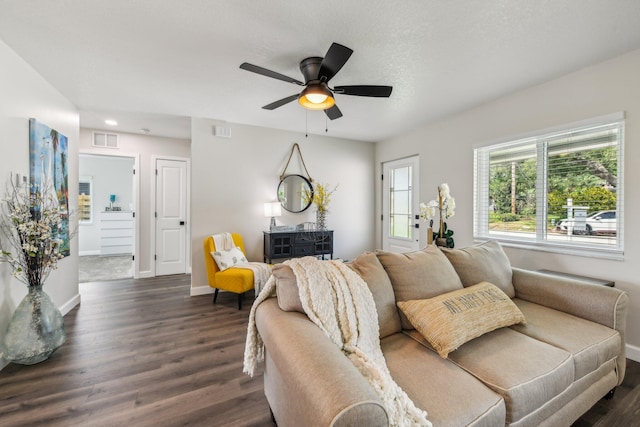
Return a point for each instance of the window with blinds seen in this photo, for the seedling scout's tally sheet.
(84, 200)
(560, 190)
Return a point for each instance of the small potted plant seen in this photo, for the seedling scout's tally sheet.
(445, 205)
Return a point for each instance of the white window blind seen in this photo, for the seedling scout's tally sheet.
(560, 190)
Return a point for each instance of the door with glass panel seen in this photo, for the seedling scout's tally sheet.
(400, 205)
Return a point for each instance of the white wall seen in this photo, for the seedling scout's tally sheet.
(446, 153)
(26, 94)
(233, 178)
(144, 146)
(110, 175)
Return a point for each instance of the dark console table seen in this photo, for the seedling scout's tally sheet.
(297, 244)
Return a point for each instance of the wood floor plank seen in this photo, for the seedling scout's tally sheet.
(146, 353)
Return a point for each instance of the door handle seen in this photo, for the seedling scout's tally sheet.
(181, 222)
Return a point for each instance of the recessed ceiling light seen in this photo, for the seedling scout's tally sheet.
(144, 131)
(111, 122)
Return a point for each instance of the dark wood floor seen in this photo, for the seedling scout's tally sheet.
(145, 353)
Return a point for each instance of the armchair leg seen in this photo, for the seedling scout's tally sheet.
(215, 296)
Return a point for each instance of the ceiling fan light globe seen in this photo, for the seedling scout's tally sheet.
(316, 97)
(326, 104)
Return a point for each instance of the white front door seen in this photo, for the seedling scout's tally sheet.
(171, 216)
(400, 205)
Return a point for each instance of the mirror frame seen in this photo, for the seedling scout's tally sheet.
(283, 202)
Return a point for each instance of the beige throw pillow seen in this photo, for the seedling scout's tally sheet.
(452, 319)
(420, 274)
(484, 262)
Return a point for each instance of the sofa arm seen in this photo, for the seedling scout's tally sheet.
(600, 304)
(307, 379)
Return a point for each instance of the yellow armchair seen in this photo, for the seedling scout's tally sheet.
(236, 280)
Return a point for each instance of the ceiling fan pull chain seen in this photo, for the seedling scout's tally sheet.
(306, 123)
(326, 124)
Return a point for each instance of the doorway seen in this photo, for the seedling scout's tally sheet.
(171, 214)
(107, 226)
(400, 205)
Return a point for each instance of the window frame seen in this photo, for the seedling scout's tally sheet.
(86, 180)
(540, 242)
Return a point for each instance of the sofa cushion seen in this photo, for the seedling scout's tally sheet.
(451, 396)
(484, 262)
(591, 344)
(451, 319)
(287, 288)
(369, 268)
(526, 372)
(418, 275)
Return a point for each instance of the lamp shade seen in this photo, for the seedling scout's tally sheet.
(316, 97)
(272, 209)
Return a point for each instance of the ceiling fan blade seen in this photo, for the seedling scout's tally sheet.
(263, 71)
(336, 57)
(281, 102)
(333, 112)
(364, 90)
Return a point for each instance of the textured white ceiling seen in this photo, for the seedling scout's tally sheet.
(155, 63)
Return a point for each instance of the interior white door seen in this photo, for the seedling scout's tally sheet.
(400, 205)
(171, 216)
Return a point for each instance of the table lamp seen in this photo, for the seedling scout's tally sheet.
(272, 209)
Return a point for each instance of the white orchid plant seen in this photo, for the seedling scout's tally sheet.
(445, 206)
(29, 224)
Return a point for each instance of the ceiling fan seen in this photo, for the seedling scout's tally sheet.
(317, 71)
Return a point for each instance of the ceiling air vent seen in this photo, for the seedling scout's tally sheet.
(105, 140)
(222, 131)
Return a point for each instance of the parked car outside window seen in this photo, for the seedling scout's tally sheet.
(601, 222)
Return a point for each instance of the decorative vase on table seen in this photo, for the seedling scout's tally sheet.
(321, 197)
(321, 219)
(35, 331)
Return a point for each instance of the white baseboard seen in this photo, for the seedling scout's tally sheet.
(145, 274)
(86, 253)
(633, 353)
(69, 305)
(201, 290)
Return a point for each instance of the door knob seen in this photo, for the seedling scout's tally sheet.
(181, 222)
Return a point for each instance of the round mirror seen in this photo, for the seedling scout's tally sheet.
(291, 193)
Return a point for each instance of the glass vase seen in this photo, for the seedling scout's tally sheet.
(321, 220)
(35, 331)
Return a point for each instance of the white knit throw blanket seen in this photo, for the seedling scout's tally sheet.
(261, 273)
(339, 302)
(223, 241)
